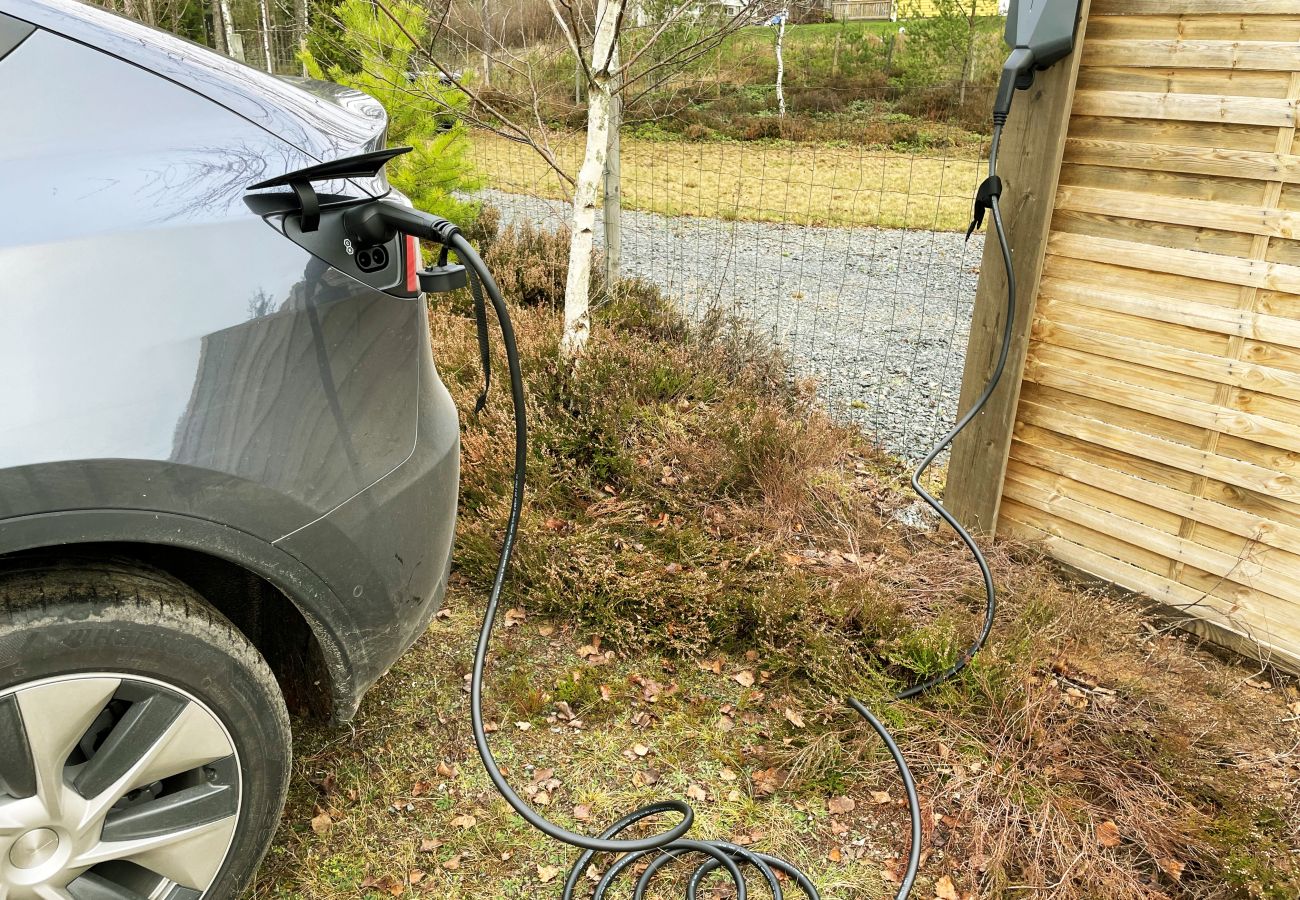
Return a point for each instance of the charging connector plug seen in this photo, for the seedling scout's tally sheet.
(1017, 72)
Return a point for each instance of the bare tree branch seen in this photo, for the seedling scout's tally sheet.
(508, 128)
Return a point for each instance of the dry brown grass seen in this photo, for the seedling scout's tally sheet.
(804, 184)
(688, 506)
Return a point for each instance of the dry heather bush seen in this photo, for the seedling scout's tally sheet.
(531, 264)
(482, 232)
(684, 496)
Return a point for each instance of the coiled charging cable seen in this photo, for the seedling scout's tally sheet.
(671, 844)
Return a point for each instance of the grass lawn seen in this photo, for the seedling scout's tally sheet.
(706, 565)
(806, 184)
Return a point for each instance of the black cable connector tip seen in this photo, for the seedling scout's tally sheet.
(992, 187)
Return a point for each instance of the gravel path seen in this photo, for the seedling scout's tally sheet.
(879, 317)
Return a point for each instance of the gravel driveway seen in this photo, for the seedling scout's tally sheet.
(879, 317)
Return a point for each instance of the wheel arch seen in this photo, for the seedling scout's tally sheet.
(281, 606)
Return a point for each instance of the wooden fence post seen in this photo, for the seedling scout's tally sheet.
(1030, 165)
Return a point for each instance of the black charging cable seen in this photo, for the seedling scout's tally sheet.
(987, 198)
(376, 222)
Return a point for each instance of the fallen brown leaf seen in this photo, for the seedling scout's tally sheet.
(1171, 867)
(944, 889)
(1108, 834)
(841, 805)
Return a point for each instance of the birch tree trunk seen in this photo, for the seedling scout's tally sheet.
(780, 63)
(577, 292)
(218, 29)
(968, 62)
(228, 27)
(613, 208)
(487, 43)
(300, 25)
(266, 38)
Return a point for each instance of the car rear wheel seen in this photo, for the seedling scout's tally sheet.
(144, 744)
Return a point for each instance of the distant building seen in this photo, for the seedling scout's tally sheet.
(860, 10)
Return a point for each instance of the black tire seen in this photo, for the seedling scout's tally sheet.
(123, 619)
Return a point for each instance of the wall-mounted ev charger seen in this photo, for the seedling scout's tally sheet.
(1040, 33)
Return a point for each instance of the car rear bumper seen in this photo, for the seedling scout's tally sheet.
(386, 552)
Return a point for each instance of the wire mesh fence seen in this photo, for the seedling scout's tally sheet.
(852, 260)
(850, 257)
(274, 49)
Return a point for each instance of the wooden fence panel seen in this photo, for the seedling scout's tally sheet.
(1156, 436)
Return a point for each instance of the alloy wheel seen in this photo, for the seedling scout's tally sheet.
(113, 787)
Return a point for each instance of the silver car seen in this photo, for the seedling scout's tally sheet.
(228, 467)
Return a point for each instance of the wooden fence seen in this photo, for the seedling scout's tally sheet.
(861, 10)
(1148, 432)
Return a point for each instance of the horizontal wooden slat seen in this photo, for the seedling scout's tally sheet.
(1179, 211)
(1186, 107)
(1280, 640)
(1172, 8)
(1275, 509)
(1156, 235)
(1265, 55)
(1222, 27)
(1130, 420)
(1189, 459)
(1239, 322)
(1167, 386)
(1139, 282)
(1229, 191)
(1092, 382)
(1054, 497)
(1250, 83)
(1250, 612)
(1103, 324)
(1191, 160)
(1219, 369)
(1029, 449)
(1191, 263)
(1126, 464)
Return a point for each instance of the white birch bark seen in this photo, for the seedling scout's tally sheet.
(300, 25)
(266, 37)
(613, 207)
(488, 37)
(577, 293)
(780, 63)
(228, 27)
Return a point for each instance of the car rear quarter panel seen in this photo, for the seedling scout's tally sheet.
(164, 347)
